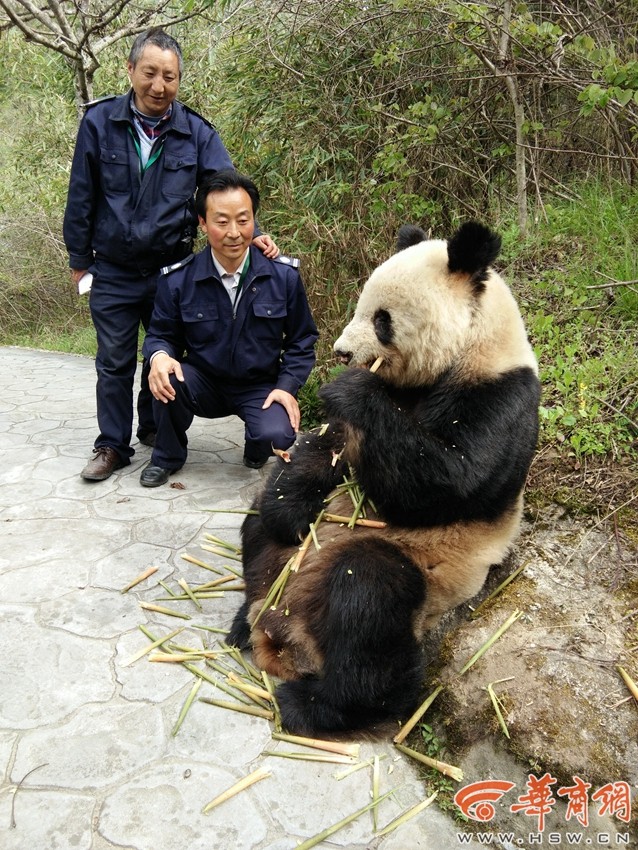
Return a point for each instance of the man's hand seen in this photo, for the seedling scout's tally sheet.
(76, 274)
(289, 402)
(266, 244)
(162, 367)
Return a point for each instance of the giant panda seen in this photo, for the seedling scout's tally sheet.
(439, 439)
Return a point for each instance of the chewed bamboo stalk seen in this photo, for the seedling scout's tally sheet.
(223, 543)
(141, 577)
(351, 750)
(475, 613)
(229, 689)
(241, 698)
(358, 507)
(410, 813)
(355, 767)
(216, 582)
(628, 681)
(276, 589)
(224, 553)
(409, 725)
(179, 657)
(369, 523)
(189, 701)
(377, 363)
(159, 609)
(327, 758)
(182, 597)
(496, 703)
(187, 590)
(252, 672)
(216, 629)
(317, 839)
(243, 709)
(447, 769)
(199, 563)
(375, 790)
(488, 643)
(170, 592)
(271, 690)
(244, 783)
(313, 530)
(142, 652)
(248, 689)
(351, 487)
(150, 635)
(300, 554)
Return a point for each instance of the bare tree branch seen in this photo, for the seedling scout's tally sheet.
(81, 31)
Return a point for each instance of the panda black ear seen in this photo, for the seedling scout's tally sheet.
(472, 249)
(409, 234)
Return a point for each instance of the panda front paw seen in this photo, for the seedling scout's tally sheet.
(239, 634)
(294, 492)
(287, 521)
(350, 396)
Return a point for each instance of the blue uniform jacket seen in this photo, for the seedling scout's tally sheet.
(271, 340)
(122, 215)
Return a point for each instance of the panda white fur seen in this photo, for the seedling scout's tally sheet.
(440, 439)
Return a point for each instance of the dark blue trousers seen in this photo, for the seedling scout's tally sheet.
(201, 395)
(121, 300)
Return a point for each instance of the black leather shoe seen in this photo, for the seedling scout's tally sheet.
(147, 438)
(104, 462)
(254, 464)
(155, 476)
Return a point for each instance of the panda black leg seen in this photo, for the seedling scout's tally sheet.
(239, 634)
(372, 661)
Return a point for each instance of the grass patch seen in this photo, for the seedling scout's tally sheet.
(573, 280)
(80, 340)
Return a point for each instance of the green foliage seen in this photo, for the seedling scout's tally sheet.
(37, 92)
(431, 745)
(620, 84)
(584, 337)
(309, 401)
(352, 124)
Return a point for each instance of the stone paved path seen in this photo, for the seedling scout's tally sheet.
(87, 739)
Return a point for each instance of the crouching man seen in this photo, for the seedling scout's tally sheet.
(231, 333)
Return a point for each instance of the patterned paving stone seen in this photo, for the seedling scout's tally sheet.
(109, 774)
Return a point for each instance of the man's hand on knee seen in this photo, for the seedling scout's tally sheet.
(289, 403)
(159, 378)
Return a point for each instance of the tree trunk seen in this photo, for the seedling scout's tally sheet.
(82, 85)
(519, 117)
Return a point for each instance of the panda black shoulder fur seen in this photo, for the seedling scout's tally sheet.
(440, 440)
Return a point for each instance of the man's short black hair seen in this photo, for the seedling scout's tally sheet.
(222, 181)
(161, 39)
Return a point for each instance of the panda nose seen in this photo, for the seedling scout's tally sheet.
(344, 357)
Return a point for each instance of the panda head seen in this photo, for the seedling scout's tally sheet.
(434, 306)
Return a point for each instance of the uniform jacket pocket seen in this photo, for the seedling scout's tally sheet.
(180, 175)
(115, 171)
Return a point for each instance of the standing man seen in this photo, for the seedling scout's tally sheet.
(231, 333)
(138, 160)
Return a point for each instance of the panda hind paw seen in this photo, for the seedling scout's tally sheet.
(304, 710)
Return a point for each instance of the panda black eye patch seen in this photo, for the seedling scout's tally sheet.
(383, 327)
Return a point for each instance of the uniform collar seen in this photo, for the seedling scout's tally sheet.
(122, 112)
(260, 266)
(222, 271)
